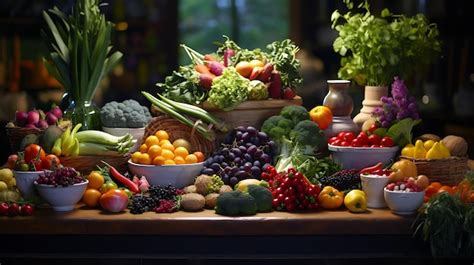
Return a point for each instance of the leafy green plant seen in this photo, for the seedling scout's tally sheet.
(79, 48)
(375, 49)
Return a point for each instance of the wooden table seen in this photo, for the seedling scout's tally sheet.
(323, 234)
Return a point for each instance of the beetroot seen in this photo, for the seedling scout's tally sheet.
(56, 111)
(51, 119)
(21, 118)
(42, 124)
(33, 117)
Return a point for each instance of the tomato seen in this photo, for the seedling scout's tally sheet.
(96, 180)
(344, 143)
(109, 185)
(12, 159)
(34, 151)
(91, 197)
(372, 128)
(357, 142)
(332, 139)
(447, 189)
(374, 139)
(348, 136)
(340, 135)
(114, 200)
(386, 142)
(363, 138)
(322, 116)
(337, 142)
(50, 161)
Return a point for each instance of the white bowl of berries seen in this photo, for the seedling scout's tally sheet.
(62, 188)
(403, 198)
(373, 185)
(359, 151)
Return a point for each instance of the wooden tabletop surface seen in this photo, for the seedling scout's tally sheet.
(95, 222)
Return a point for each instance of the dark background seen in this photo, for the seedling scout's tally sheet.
(149, 33)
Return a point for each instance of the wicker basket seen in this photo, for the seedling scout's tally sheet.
(16, 134)
(85, 164)
(178, 130)
(448, 171)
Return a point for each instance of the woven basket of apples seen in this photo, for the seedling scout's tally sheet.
(32, 122)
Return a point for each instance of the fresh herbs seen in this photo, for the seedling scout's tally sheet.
(448, 224)
(314, 168)
(183, 86)
(375, 49)
(283, 55)
(80, 52)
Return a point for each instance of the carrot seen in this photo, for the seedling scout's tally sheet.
(202, 69)
(209, 58)
(274, 89)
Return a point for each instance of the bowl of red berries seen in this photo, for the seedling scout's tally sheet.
(353, 151)
(404, 197)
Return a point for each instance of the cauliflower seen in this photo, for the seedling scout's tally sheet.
(127, 114)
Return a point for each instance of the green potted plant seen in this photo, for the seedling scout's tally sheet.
(80, 57)
(374, 49)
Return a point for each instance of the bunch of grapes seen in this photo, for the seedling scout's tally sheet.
(244, 154)
(63, 176)
(397, 107)
(157, 198)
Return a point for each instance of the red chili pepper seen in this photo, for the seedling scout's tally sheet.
(371, 169)
(122, 179)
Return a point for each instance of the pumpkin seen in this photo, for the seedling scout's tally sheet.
(457, 145)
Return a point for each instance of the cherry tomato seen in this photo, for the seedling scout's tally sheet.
(374, 139)
(50, 161)
(340, 135)
(332, 139)
(357, 142)
(386, 142)
(345, 143)
(12, 159)
(372, 128)
(432, 189)
(34, 151)
(447, 189)
(337, 142)
(364, 139)
(348, 136)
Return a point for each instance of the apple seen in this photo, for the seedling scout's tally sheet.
(114, 201)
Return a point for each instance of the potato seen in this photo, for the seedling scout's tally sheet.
(211, 200)
(190, 189)
(192, 202)
(225, 188)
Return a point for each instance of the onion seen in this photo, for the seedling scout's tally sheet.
(42, 124)
(21, 118)
(33, 117)
(30, 126)
(56, 111)
(51, 119)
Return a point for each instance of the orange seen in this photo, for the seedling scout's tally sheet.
(154, 151)
(152, 140)
(143, 148)
(167, 154)
(144, 159)
(162, 135)
(135, 157)
(169, 162)
(91, 197)
(191, 159)
(181, 151)
(168, 146)
(179, 160)
(158, 161)
(162, 142)
(200, 156)
(95, 180)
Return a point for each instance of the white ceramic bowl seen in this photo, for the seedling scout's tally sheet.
(24, 182)
(137, 133)
(62, 198)
(403, 203)
(361, 157)
(373, 186)
(179, 176)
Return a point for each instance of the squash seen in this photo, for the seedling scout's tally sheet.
(457, 145)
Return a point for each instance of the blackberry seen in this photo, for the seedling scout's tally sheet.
(141, 203)
(347, 179)
(163, 193)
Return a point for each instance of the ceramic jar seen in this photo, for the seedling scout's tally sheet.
(341, 105)
(372, 95)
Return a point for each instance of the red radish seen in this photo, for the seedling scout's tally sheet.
(42, 124)
(51, 119)
(56, 111)
(288, 93)
(275, 86)
(216, 67)
(266, 73)
(30, 126)
(33, 117)
(205, 80)
(144, 185)
(227, 54)
(256, 71)
(21, 118)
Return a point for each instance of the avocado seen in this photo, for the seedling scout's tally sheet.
(49, 136)
(27, 140)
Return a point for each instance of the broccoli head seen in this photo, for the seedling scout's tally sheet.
(127, 114)
(308, 136)
(295, 113)
(263, 197)
(235, 203)
(277, 127)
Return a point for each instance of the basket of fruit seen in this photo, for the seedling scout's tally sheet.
(443, 161)
(32, 122)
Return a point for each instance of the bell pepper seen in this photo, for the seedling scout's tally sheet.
(372, 169)
(355, 201)
(435, 152)
(419, 151)
(330, 198)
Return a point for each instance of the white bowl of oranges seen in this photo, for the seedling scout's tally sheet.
(165, 161)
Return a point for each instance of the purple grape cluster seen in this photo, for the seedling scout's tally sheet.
(397, 107)
(244, 154)
(64, 176)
